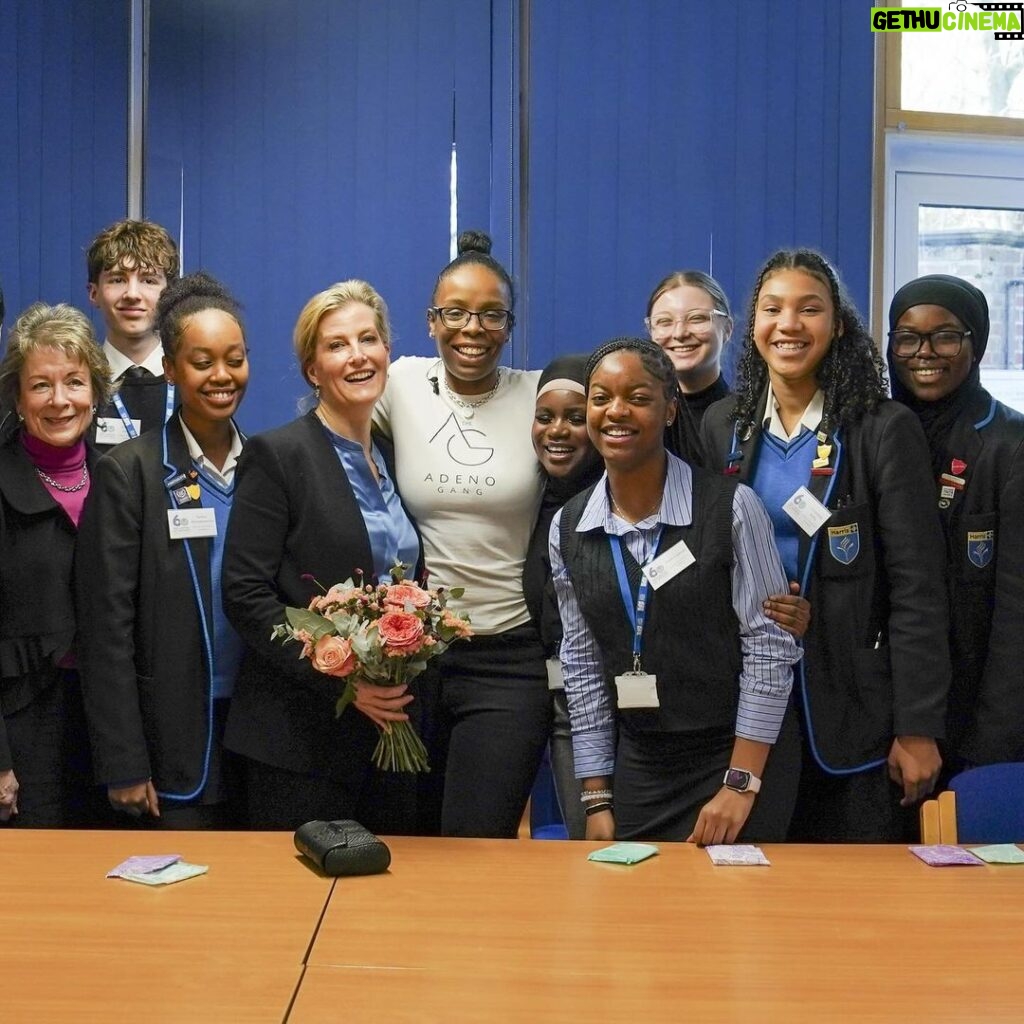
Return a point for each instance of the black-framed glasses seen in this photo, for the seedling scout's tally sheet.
(945, 342)
(455, 318)
(697, 321)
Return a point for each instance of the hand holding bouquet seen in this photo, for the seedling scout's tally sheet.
(381, 635)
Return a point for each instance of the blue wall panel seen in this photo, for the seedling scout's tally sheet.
(63, 132)
(315, 141)
(668, 134)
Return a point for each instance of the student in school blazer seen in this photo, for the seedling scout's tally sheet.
(977, 461)
(876, 645)
(146, 621)
(296, 517)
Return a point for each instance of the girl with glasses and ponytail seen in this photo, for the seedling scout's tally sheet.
(461, 423)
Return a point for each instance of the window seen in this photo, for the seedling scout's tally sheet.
(950, 181)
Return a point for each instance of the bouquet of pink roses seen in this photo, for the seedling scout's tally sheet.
(382, 635)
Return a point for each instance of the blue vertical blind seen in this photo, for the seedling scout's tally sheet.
(677, 134)
(301, 144)
(63, 139)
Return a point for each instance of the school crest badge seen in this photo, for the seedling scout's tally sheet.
(981, 546)
(844, 542)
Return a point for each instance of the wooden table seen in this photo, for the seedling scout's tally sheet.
(477, 930)
(481, 931)
(225, 947)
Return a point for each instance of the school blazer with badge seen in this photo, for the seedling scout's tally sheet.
(144, 605)
(294, 515)
(876, 655)
(984, 524)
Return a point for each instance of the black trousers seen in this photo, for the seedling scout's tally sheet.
(486, 717)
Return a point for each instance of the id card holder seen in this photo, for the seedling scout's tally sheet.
(637, 690)
(555, 680)
(668, 564)
(192, 522)
(110, 430)
(806, 511)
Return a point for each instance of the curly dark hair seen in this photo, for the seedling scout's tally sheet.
(184, 298)
(852, 374)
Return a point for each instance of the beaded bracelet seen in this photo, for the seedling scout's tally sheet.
(589, 795)
(597, 808)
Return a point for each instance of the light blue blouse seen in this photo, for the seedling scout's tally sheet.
(392, 536)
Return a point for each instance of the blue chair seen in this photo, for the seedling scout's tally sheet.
(990, 803)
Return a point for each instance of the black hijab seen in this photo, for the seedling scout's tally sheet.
(968, 304)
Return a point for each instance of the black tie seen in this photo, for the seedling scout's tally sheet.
(136, 374)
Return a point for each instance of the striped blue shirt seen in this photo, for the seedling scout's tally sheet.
(768, 652)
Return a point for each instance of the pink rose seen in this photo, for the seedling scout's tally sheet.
(401, 632)
(334, 656)
(400, 594)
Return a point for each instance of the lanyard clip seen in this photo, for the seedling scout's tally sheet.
(636, 662)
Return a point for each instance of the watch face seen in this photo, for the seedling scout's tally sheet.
(736, 778)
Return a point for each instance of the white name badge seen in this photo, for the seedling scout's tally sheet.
(183, 523)
(111, 430)
(555, 680)
(668, 564)
(806, 511)
(637, 690)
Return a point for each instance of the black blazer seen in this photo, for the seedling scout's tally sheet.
(294, 514)
(876, 654)
(37, 613)
(986, 582)
(146, 619)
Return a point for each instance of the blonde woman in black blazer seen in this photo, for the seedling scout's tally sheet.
(315, 499)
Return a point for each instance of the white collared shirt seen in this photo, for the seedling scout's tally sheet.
(224, 475)
(120, 363)
(811, 418)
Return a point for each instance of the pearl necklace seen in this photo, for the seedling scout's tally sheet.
(467, 409)
(622, 515)
(46, 478)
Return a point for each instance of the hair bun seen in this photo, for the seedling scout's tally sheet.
(475, 241)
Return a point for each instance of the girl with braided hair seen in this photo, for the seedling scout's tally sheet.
(845, 476)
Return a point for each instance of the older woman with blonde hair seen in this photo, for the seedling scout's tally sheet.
(52, 376)
(315, 498)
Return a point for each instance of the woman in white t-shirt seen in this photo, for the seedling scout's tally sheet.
(469, 477)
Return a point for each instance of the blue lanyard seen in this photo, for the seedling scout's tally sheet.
(637, 614)
(126, 419)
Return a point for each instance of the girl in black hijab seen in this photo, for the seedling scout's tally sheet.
(570, 464)
(938, 334)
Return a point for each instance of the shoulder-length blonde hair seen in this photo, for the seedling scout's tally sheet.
(336, 297)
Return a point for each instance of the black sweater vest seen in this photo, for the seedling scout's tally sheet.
(691, 639)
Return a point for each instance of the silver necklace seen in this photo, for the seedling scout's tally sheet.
(622, 515)
(46, 478)
(467, 409)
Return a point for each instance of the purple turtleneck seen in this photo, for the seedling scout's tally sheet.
(65, 465)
